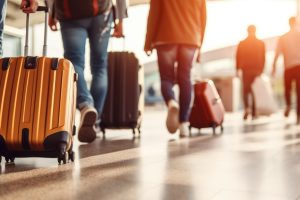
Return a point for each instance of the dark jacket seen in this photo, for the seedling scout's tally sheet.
(250, 56)
(79, 9)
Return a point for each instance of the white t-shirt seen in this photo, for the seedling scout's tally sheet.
(289, 46)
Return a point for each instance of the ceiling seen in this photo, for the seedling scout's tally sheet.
(16, 18)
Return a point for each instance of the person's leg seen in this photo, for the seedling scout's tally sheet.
(288, 73)
(253, 107)
(297, 79)
(74, 35)
(99, 34)
(185, 60)
(2, 19)
(166, 56)
(246, 92)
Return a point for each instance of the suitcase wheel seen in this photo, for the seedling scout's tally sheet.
(103, 132)
(63, 155)
(222, 128)
(9, 160)
(72, 156)
(190, 130)
(214, 128)
(63, 158)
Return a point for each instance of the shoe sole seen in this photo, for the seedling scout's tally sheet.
(87, 132)
(172, 119)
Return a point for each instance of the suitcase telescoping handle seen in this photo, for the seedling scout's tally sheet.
(115, 38)
(43, 9)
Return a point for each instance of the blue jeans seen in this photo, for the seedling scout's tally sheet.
(74, 35)
(168, 55)
(2, 18)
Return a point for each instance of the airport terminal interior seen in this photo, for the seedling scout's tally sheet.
(253, 159)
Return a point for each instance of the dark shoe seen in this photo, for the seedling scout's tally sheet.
(287, 111)
(246, 115)
(87, 130)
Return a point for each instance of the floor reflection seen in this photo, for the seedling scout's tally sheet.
(262, 164)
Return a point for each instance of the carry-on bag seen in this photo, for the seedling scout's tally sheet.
(124, 103)
(229, 89)
(208, 109)
(265, 103)
(37, 105)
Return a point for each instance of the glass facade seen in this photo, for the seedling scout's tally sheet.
(12, 45)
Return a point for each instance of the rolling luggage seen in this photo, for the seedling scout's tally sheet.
(265, 103)
(124, 103)
(37, 105)
(208, 109)
(229, 89)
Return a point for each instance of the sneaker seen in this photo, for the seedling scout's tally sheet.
(287, 111)
(172, 121)
(184, 130)
(87, 131)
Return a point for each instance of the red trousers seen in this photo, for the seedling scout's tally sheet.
(248, 79)
(290, 75)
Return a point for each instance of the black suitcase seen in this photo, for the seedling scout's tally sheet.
(124, 103)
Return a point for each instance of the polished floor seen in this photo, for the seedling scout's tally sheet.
(253, 160)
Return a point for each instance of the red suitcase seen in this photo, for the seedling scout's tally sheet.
(208, 109)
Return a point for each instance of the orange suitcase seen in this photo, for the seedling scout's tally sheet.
(37, 106)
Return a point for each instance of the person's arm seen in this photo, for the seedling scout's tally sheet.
(121, 13)
(277, 54)
(263, 54)
(238, 60)
(29, 6)
(203, 27)
(203, 20)
(152, 25)
(52, 21)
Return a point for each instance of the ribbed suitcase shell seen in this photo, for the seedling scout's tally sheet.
(124, 102)
(37, 106)
(208, 110)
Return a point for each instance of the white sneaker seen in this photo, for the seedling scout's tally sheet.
(184, 130)
(172, 121)
(87, 130)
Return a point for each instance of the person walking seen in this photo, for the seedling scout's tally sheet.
(2, 19)
(289, 46)
(250, 61)
(79, 21)
(176, 30)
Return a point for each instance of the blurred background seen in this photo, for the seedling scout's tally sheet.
(227, 22)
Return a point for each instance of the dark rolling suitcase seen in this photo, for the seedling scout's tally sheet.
(37, 106)
(124, 103)
(208, 110)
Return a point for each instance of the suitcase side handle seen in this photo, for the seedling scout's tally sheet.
(43, 9)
